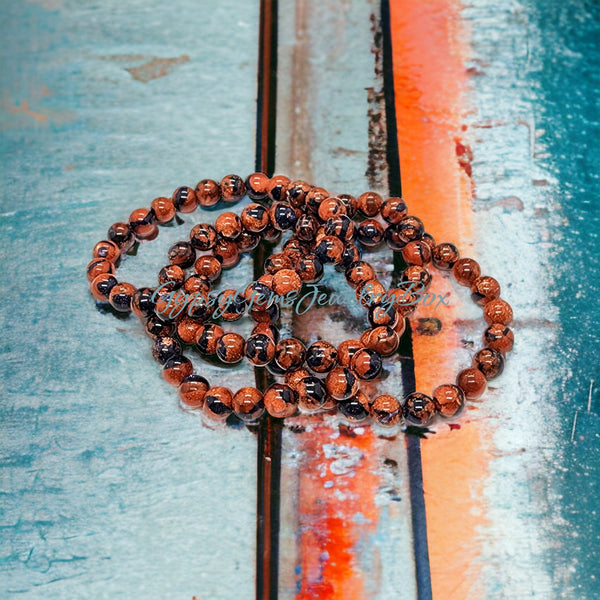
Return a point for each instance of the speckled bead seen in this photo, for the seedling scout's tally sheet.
(163, 209)
(498, 311)
(444, 256)
(192, 391)
(259, 349)
(107, 250)
(142, 304)
(248, 404)
(306, 228)
(176, 369)
(370, 291)
(101, 286)
(341, 227)
(230, 306)
(449, 400)
(120, 296)
(355, 409)
(208, 267)
(282, 216)
(290, 354)
(472, 382)
(268, 329)
(230, 347)
(198, 284)
(182, 254)
(369, 203)
(312, 394)
(187, 330)
(171, 277)
(382, 315)
(218, 403)
(346, 350)
(280, 400)
(350, 254)
(418, 409)
(341, 383)
(407, 230)
(366, 363)
(359, 272)
(276, 262)
(256, 186)
(321, 356)
(484, 289)
(184, 200)
(331, 207)
(285, 282)
(277, 187)
(466, 271)
(155, 326)
(121, 235)
(142, 223)
(99, 266)
(228, 225)
(247, 241)
(386, 410)
(415, 274)
(293, 378)
(429, 240)
(232, 188)
(393, 210)
(499, 337)
(164, 347)
(203, 236)
(370, 233)
(489, 361)
(416, 252)
(381, 339)
(170, 305)
(309, 269)
(207, 338)
(314, 199)
(208, 193)
(329, 250)
(227, 252)
(296, 193)
(295, 248)
(255, 217)
(267, 315)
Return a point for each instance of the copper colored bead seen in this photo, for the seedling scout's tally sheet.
(120, 296)
(369, 292)
(309, 268)
(142, 224)
(312, 394)
(230, 347)
(498, 311)
(247, 241)
(270, 234)
(228, 225)
(267, 329)
(207, 338)
(257, 294)
(282, 216)
(394, 210)
(359, 272)
(197, 284)
(466, 271)
(290, 354)
(121, 235)
(165, 347)
(171, 277)
(383, 314)
(280, 400)
(331, 207)
(107, 250)
(203, 236)
(208, 193)
(341, 227)
(346, 350)
(418, 409)
(182, 254)
(314, 199)
(255, 217)
(489, 361)
(416, 274)
(405, 302)
(350, 254)
(370, 233)
(99, 266)
(293, 378)
(277, 262)
(499, 337)
(256, 186)
(163, 209)
(142, 302)
(381, 339)
(101, 286)
(176, 369)
(184, 200)
(355, 409)
(232, 188)
(230, 306)
(277, 188)
(329, 250)
(350, 202)
(208, 267)
(248, 404)
(448, 399)
(286, 281)
(400, 326)
(484, 289)
(297, 192)
(306, 228)
(187, 330)
(472, 382)
(416, 253)
(444, 256)
(341, 383)
(228, 253)
(369, 203)
(386, 410)
(429, 240)
(155, 327)
(259, 349)
(218, 403)
(192, 391)
(408, 229)
(170, 305)
(366, 363)
(321, 356)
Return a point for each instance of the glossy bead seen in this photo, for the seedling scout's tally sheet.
(489, 361)
(101, 286)
(329, 250)
(484, 289)
(382, 315)
(275, 369)
(107, 250)
(121, 235)
(208, 193)
(314, 199)
(120, 296)
(293, 378)
(267, 315)
(416, 252)
(99, 266)
(207, 338)
(296, 193)
(258, 294)
(499, 337)
(156, 326)
(228, 225)
(346, 350)
(321, 356)
(171, 277)
(369, 203)
(248, 404)
(394, 210)
(184, 200)
(163, 209)
(366, 363)
(277, 262)
(164, 347)
(270, 234)
(142, 304)
(203, 236)
(198, 284)
(449, 400)
(285, 282)
(417, 274)
(277, 188)
(386, 410)
(192, 390)
(247, 241)
(381, 339)
(312, 394)
(331, 207)
(232, 188)
(295, 248)
(255, 217)
(187, 330)
(267, 329)
(142, 224)
(282, 216)
(370, 233)
(176, 369)
(227, 252)
(350, 203)
(208, 267)
(498, 311)
(408, 229)
(466, 271)
(341, 227)
(182, 254)
(341, 383)
(259, 349)
(170, 305)
(355, 409)
(256, 186)
(418, 409)
(350, 254)
(230, 347)
(290, 354)
(199, 307)
(445, 255)
(280, 400)
(472, 382)
(218, 403)
(306, 228)
(405, 302)
(309, 269)
(369, 292)
(230, 306)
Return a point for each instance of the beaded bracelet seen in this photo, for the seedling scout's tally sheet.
(324, 232)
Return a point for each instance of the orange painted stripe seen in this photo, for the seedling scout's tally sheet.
(429, 44)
